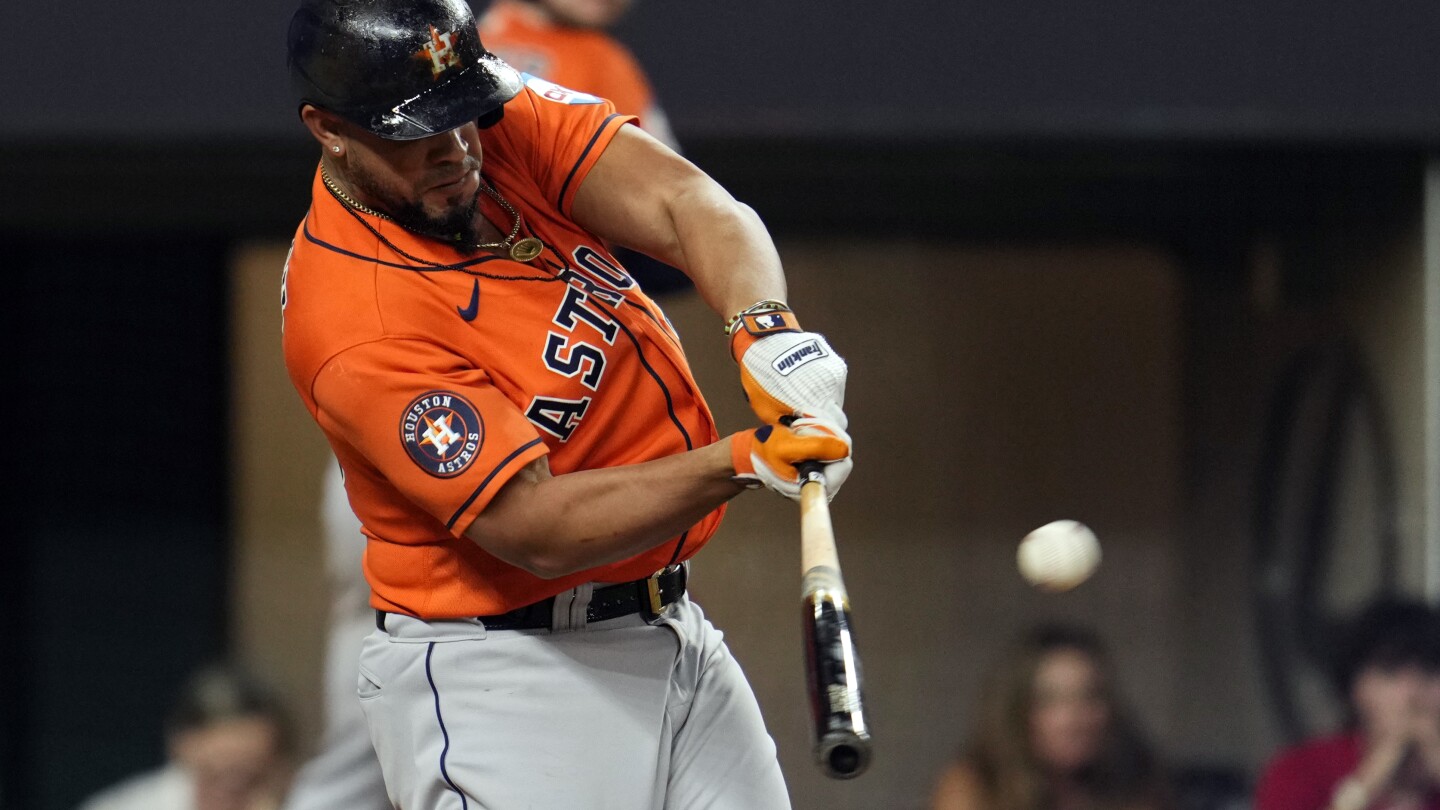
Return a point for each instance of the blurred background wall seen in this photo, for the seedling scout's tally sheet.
(1164, 268)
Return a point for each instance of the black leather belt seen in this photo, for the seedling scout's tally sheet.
(650, 597)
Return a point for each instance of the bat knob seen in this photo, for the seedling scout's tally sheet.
(811, 471)
(845, 760)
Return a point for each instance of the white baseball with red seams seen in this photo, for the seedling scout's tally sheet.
(1059, 555)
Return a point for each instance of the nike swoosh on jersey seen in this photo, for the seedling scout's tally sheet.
(469, 312)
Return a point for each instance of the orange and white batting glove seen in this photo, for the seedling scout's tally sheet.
(766, 456)
(786, 372)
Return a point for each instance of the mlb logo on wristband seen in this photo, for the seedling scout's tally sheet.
(768, 323)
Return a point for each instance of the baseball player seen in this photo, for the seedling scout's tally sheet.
(563, 41)
(522, 440)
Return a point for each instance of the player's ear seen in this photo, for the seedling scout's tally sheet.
(324, 126)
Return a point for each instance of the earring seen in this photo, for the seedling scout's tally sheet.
(335, 148)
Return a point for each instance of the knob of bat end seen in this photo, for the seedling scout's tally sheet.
(845, 760)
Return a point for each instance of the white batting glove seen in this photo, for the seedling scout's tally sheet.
(787, 372)
(767, 456)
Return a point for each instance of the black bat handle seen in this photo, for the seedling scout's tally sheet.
(811, 471)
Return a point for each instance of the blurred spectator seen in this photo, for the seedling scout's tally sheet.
(229, 745)
(1388, 754)
(564, 41)
(1051, 735)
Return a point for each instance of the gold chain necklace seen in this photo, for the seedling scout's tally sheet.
(522, 251)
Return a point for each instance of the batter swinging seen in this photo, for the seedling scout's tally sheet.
(523, 442)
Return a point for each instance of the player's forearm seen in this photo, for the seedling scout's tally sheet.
(552, 526)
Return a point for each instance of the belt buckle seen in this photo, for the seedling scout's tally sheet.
(652, 605)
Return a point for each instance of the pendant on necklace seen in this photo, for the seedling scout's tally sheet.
(526, 249)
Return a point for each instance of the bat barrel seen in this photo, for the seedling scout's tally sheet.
(837, 707)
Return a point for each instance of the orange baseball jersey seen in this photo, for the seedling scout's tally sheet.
(434, 386)
(581, 58)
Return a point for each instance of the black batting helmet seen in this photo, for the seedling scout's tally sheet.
(402, 69)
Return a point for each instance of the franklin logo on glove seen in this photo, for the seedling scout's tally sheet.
(799, 356)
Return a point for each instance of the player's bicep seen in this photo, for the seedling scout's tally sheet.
(630, 195)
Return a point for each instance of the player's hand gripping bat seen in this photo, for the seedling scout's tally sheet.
(842, 737)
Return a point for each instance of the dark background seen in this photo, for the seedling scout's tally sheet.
(140, 141)
(1320, 69)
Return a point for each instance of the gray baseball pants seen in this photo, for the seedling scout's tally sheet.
(618, 715)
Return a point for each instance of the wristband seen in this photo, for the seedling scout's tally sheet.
(768, 305)
(751, 324)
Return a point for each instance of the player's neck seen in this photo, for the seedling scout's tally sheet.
(485, 229)
(341, 187)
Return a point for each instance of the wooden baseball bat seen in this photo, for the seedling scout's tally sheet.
(832, 667)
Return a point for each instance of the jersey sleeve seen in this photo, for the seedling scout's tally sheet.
(560, 134)
(438, 430)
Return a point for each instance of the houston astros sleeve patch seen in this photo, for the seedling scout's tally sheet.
(442, 432)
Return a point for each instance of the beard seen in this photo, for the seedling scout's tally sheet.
(455, 227)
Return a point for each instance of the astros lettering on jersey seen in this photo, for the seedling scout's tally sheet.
(435, 386)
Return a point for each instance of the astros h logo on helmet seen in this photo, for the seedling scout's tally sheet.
(440, 51)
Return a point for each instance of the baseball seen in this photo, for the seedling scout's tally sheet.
(1059, 555)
